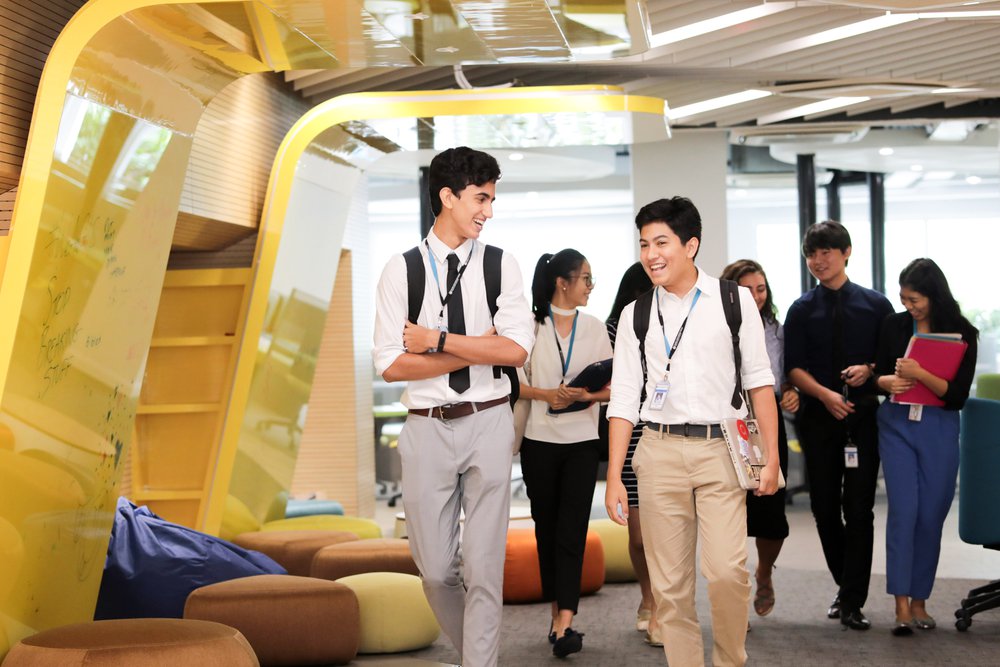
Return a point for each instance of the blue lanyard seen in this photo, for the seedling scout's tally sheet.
(445, 298)
(572, 337)
(680, 332)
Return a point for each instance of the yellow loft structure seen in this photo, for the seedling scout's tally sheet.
(113, 368)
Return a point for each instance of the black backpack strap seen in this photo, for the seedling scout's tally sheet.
(734, 318)
(492, 260)
(640, 325)
(415, 277)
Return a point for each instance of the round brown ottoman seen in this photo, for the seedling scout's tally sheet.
(288, 620)
(134, 642)
(375, 555)
(292, 549)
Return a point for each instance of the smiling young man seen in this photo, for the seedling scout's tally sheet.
(457, 443)
(687, 483)
(831, 336)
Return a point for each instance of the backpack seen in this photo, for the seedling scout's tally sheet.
(416, 276)
(734, 318)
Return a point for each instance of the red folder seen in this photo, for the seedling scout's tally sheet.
(940, 354)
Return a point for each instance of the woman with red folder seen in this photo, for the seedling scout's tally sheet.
(918, 443)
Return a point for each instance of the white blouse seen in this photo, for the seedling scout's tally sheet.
(591, 344)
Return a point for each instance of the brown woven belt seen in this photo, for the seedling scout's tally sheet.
(456, 410)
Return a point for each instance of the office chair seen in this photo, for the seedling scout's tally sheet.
(979, 495)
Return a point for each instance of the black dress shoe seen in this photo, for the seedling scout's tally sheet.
(834, 610)
(570, 642)
(854, 619)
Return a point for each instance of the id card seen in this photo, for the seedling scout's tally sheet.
(916, 412)
(850, 456)
(659, 394)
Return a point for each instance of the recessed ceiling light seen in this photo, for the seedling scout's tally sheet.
(885, 151)
(516, 156)
(446, 49)
(420, 16)
(973, 180)
(807, 109)
(718, 23)
(916, 167)
(716, 103)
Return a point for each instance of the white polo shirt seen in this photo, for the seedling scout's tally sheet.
(702, 373)
(513, 319)
(590, 344)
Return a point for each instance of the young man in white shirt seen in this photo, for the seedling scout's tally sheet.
(457, 443)
(687, 483)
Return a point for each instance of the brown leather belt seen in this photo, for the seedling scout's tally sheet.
(456, 410)
(688, 430)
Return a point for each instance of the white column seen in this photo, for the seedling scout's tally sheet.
(692, 165)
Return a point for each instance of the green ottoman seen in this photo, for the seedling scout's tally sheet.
(395, 615)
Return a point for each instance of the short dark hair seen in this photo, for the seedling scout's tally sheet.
(743, 267)
(457, 168)
(825, 235)
(563, 265)
(634, 282)
(924, 276)
(678, 213)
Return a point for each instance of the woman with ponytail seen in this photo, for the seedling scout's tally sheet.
(560, 450)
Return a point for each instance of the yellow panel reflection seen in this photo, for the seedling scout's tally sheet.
(288, 309)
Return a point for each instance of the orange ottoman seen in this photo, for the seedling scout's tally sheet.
(134, 642)
(292, 549)
(521, 579)
(288, 620)
(374, 555)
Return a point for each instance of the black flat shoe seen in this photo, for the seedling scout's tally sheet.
(552, 634)
(902, 629)
(854, 620)
(571, 642)
(834, 610)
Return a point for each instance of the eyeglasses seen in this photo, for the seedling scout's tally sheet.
(588, 281)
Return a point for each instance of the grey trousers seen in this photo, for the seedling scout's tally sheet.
(450, 466)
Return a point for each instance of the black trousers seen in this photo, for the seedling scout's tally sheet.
(842, 498)
(560, 481)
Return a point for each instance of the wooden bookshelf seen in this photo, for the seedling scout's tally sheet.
(185, 390)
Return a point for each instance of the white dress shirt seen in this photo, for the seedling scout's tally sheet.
(513, 319)
(590, 344)
(702, 373)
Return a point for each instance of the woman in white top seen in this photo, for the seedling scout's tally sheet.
(559, 452)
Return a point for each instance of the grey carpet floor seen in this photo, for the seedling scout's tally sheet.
(797, 633)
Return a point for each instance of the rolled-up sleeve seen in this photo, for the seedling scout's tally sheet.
(626, 373)
(513, 319)
(756, 369)
(390, 314)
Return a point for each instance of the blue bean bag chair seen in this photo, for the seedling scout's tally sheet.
(153, 565)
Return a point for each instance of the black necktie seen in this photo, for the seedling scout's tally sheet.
(457, 380)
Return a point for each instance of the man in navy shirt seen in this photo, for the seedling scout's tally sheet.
(831, 334)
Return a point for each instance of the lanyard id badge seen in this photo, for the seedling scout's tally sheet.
(660, 392)
(850, 453)
(916, 413)
(662, 388)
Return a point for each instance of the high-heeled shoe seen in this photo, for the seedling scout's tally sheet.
(642, 619)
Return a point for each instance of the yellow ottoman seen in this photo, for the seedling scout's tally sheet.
(617, 563)
(134, 642)
(363, 528)
(395, 615)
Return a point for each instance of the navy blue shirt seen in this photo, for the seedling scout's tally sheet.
(809, 334)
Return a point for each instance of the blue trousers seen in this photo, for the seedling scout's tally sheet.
(920, 465)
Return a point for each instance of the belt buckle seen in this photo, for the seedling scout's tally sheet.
(441, 411)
